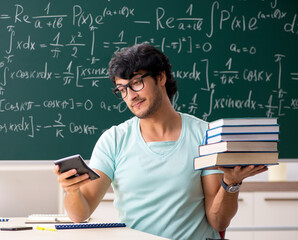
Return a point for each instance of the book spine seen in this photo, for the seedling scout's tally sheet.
(89, 225)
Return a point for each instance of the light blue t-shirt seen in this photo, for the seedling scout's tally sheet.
(156, 187)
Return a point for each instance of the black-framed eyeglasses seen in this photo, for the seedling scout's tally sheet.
(135, 84)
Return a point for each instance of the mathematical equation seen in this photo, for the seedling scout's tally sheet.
(230, 59)
(29, 127)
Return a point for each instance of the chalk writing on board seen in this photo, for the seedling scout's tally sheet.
(230, 60)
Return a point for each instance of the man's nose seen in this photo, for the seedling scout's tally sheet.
(131, 94)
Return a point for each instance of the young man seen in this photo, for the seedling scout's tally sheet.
(149, 159)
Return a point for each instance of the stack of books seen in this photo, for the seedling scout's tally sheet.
(239, 142)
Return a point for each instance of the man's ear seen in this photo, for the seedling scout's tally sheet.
(162, 78)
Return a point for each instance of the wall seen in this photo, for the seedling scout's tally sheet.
(27, 188)
(31, 187)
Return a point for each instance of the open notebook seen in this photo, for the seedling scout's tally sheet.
(49, 218)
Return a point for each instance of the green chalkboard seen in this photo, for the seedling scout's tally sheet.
(230, 58)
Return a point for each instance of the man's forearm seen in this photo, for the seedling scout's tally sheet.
(223, 209)
(76, 206)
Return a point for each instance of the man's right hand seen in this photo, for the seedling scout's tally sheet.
(81, 199)
(72, 184)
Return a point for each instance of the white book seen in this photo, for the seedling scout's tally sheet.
(236, 146)
(49, 218)
(235, 159)
(242, 121)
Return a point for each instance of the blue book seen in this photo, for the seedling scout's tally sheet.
(225, 137)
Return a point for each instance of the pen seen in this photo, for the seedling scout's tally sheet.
(46, 229)
(17, 228)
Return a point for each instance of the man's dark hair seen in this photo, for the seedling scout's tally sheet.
(142, 57)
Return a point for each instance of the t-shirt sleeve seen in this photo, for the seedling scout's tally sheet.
(208, 172)
(103, 155)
